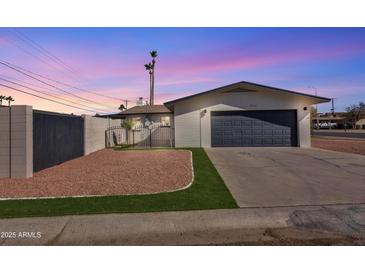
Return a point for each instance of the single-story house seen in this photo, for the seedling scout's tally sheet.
(146, 115)
(243, 114)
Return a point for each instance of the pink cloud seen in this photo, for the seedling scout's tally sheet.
(183, 81)
(235, 58)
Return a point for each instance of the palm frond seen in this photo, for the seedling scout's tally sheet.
(153, 53)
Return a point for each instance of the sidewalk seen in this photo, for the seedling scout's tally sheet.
(335, 224)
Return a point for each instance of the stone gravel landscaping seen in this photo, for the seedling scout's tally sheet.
(341, 145)
(107, 172)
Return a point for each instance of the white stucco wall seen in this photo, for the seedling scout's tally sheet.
(193, 129)
(94, 132)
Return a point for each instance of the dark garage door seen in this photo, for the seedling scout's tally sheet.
(254, 128)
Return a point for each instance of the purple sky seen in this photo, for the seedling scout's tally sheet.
(191, 60)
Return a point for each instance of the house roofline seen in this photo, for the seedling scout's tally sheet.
(139, 113)
(249, 83)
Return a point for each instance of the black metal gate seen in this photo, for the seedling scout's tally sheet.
(56, 138)
(142, 137)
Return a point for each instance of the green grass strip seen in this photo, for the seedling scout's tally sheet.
(208, 191)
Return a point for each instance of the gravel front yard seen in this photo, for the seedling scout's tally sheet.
(107, 172)
(342, 145)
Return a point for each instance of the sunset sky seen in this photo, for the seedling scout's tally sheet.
(110, 61)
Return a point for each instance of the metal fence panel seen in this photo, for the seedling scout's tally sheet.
(116, 135)
(151, 136)
(56, 138)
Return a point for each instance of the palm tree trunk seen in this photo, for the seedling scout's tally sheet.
(151, 88)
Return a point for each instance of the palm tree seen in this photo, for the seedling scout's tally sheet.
(151, 69)
(9, 99)
(122, 107)
(127, 124)
(2, 97)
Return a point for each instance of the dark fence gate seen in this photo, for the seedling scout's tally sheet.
(56, 138)
(151, 136)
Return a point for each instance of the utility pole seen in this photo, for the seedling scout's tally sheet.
(126, 104)
(333, 106)
(332, 112)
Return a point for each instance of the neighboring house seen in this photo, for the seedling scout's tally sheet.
(341, 119)
(361, 123)
(146, 115)
(243, 114)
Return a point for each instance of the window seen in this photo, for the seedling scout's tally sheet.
(165, 120)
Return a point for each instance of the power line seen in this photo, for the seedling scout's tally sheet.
(37, 86)
(38, 96)
(43, 51)
(68, 85)
(51, 90)
(50, 94)
(48, 84)
(31, 54)
(28, 83)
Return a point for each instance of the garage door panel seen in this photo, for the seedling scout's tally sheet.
(257, 141)
(254, 128)
(237, 123)
(268, 141)
(247, 141)
(247, 123)
(247, 131)
(256, 131)
(257, 123)
(278, 141)
(237, 132)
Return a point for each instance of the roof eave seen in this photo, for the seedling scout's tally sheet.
(319, 99)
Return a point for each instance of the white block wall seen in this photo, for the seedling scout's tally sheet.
(21, 142)
(94, 132)
(4, 142)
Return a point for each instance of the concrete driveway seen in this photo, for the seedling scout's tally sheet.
(268, 177)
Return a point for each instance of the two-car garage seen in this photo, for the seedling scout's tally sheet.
(244, 114)
(254, 128)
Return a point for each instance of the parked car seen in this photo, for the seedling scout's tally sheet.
(325, 125)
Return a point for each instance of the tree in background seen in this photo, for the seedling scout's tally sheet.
(151, 70)
(354, 112)
(9, 99)
(128, 125)
(122, 107)
(2, 97)
(313, 114)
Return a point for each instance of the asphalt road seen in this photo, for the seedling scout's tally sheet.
(340, 133)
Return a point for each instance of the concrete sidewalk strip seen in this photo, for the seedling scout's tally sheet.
(224, 226)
